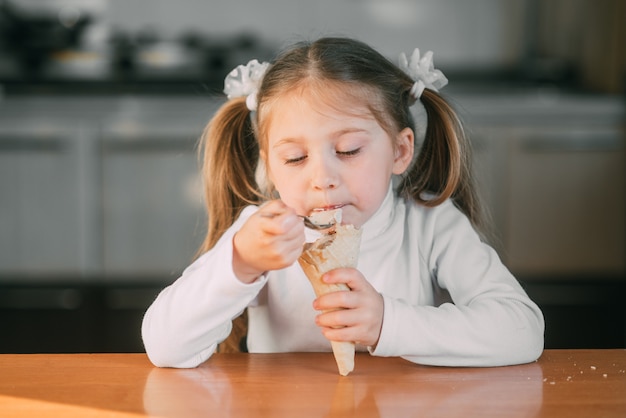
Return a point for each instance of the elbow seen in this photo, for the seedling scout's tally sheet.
(154, 347)
(528, 355)
(537, 341)
(171, 350)
(530, 342)
(537, 350)
(158, 350)
(532, 350)
(166, 355)
(536, 338)
(163, 360)
(159, 356)
(162, 351)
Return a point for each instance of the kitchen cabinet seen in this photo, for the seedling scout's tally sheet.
(100, 187)
(153, 216)
(553, 176)
(489, 162)
(152, 221)
(153, 210)
(43, 215)
(579, 313)
(70, 316)
(566, 204)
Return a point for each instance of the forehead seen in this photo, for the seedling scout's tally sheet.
(339, 96)
(324, 98)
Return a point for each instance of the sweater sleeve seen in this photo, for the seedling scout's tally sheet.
(490, 322)
(189, 318)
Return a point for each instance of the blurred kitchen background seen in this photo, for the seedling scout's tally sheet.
(102, 103)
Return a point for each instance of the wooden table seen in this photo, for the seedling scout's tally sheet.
(563, 383)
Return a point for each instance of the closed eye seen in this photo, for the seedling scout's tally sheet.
(349, 153)
(295, 161)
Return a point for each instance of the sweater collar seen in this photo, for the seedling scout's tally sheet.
(382, 218)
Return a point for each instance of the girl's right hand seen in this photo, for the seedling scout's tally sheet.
(271, 239)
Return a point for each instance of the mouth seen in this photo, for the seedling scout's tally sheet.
(327, 208)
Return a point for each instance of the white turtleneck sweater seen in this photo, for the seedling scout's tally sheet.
(448, 299)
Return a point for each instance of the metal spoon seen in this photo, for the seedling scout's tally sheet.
(307, 222)
(312, 225)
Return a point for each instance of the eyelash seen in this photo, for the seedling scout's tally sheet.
(294, 161)
(351, 153)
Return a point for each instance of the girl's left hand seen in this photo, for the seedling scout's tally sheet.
(355, 315)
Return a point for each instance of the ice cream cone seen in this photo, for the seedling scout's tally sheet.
(334, 250)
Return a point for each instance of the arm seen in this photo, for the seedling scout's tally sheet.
(189, 318)
(491, 321)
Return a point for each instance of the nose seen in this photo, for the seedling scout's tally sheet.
(323, 175)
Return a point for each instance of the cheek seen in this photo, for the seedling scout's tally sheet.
(286, 184)
(373, 191)
(371, 184)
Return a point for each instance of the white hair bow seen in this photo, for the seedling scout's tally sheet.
(245, 80)
(423, 72)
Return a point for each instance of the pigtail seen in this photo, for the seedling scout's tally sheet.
(230, 154)
(442, 169)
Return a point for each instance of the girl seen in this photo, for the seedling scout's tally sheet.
(328, 125)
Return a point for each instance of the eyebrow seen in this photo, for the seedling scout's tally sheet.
(335, 134)
(349, 131)
(286, 141)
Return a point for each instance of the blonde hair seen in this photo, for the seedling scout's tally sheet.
(230, 144)
(230, 154)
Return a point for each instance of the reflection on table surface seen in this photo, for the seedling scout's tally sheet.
(384, 387)
(567, 383)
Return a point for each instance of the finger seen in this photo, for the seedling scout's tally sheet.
(272, 208)
(346, 325)
(339, 330)
(294, 230)
(349, 276)
(341, 299)
(282, 223)
(337, 318)
(341, 334)
(348, 334)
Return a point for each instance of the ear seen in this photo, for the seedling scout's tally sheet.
(405, 145)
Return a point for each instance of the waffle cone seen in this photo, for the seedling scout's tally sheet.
(331, 251)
